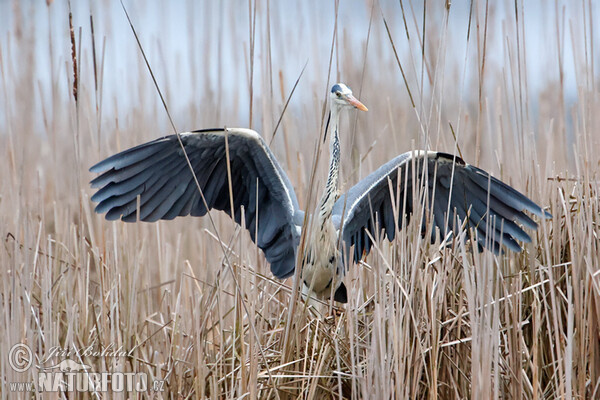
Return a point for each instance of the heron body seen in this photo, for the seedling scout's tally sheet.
(323, 268)
(153, 181)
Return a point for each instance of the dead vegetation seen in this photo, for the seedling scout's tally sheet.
(208, 318)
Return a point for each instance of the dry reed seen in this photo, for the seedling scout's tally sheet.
(422, 321)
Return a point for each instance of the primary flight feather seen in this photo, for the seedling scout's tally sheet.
(458, 194)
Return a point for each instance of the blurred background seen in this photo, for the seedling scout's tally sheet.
(220, 57)
(200, 49)
(486, 70)
(509, 85)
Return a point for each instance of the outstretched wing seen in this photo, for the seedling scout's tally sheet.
(158, 173)
(473, 194)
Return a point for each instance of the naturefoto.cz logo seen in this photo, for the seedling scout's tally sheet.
(71, 375)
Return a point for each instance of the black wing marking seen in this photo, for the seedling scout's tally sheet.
(158, 173)
(368, 204)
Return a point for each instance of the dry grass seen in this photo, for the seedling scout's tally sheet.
(421, 322)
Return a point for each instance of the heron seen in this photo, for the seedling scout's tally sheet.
(238, 174)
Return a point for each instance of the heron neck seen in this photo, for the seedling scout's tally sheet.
(331, 189)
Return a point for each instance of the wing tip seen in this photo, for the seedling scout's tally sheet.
(95, 183)
(111, 216)
(538, 212)
(512, 245)
(98, 167)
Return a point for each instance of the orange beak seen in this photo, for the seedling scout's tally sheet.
(357, 104)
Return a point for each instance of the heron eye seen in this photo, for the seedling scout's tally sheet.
(338, 94)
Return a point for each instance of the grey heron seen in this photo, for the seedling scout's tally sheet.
(158, 174)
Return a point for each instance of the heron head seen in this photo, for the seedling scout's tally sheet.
(341, 97)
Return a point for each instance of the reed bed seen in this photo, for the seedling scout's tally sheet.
(195, 305)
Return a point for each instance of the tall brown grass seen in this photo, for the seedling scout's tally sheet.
(422, 321)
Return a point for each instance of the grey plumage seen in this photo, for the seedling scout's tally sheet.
(158, 173)
(368, 204)
(156, 178)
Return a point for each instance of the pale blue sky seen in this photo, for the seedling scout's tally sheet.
(200, 48)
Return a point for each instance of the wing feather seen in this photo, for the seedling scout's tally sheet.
(131, 156)
(469, 194)
(158, 174)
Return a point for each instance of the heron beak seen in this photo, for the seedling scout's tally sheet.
(355, 103)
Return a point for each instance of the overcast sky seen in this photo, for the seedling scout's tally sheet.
(200, 48)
